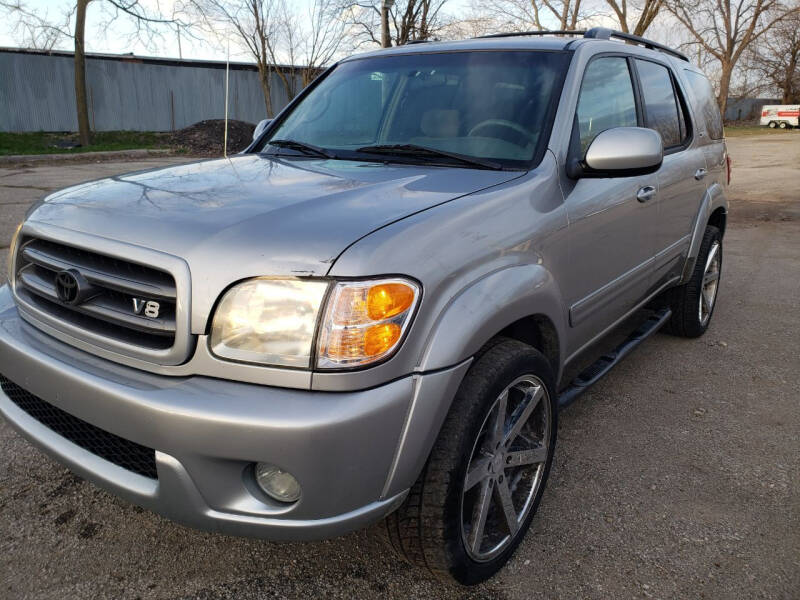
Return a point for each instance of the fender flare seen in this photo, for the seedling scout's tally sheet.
(713, 199)
(489, 305)
(470, 319)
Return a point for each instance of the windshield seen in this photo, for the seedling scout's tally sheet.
(486, 105)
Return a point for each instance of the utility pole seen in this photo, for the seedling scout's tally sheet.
(386, 41)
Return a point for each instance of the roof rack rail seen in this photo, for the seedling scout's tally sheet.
(603, 33)
(521, 33)
(597, 33)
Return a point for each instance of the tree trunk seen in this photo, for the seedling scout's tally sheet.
(724, 86)
(386, 40)
(263, 76)
(288, 81)
(80, 74)
(789, 93)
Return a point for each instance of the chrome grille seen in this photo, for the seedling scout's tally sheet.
(113, 290)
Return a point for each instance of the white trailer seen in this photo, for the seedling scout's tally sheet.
(783, 116)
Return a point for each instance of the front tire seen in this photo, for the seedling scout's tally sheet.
(693, 303)
(484, 479)
(772, 124)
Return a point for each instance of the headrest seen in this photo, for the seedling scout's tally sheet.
(440, 123)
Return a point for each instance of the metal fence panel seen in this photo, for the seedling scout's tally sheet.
(37, 93)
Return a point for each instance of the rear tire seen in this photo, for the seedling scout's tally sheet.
(443, 526)
(783, 125)
(693, 303)
(772, 124)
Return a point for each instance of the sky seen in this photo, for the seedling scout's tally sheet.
(117, 37)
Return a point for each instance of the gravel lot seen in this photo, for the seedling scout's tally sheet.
(676, 476)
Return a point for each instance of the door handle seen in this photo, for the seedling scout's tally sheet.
(646, 193)
(700, 173)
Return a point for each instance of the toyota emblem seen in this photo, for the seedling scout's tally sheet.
(68, 286)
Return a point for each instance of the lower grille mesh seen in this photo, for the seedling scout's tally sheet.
(124, 453)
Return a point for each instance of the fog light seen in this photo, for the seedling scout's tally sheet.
(277, 483)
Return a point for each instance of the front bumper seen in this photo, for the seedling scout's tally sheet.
(355, 454)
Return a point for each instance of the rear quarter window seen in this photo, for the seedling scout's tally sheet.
(706, 103)
(662, 108)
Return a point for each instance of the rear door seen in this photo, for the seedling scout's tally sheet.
(710, 135)
(610, 231)
(682, 177)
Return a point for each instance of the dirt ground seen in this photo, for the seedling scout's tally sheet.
(766, 176)
(675, 477)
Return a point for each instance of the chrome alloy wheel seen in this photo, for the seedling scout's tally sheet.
(708, 288)
(506, 468)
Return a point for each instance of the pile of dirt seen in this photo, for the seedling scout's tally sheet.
(206, 137)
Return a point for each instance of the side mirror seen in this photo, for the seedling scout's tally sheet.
(262, 125)
(621, 152)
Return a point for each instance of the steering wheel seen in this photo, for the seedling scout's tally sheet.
(518, 132)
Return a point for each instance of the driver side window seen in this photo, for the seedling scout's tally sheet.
(606, 98)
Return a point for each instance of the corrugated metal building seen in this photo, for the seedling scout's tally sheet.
(746, 109)
(126, 92)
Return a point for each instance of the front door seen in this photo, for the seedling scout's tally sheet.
(611, 231)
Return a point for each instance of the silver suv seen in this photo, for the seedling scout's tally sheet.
(376, 311)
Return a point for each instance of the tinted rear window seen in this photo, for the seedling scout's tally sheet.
(662, 112)
(706, 103)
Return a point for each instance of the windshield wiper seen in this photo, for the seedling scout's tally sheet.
(415, 150)
(309, 149)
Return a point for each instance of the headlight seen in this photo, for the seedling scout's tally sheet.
(268, 321)
(275, 321)
(365, 321)
(12, 251)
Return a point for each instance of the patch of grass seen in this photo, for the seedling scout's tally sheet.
(745, 130)
(42, 142)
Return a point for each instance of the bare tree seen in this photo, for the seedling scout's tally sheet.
(409, 20)
(40, 28)
(522, 15)
(725, 29)
(775, 59)
(470, 25)
(635, 18)
(256, 25)
(311, 39)
(34, 29)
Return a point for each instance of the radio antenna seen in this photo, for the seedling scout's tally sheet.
(227, 81)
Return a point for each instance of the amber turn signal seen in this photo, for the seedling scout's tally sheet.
(364, 321)
(388, 299)
(380, 338)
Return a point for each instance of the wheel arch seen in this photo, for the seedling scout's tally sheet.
(521, 302)
(719, 219)
(713, 211)
(539, 331)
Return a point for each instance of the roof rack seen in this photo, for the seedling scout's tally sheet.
(603, 33)
(521, 33)
(596, 33)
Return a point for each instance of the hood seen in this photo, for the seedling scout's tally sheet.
(287, 216)
(251, 215)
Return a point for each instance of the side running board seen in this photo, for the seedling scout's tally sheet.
(594, 372)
